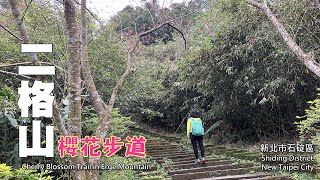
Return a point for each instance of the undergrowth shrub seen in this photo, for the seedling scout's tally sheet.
(309, 126)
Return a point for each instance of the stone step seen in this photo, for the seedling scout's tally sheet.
(252, 157)
(233, 153)
(156, 141)
(173, 138)
(215, 173)
(163, 147)
(176, 140)
(172, 155)
(238, 177)
(211, 168)
(178, 159)
(168, 152)
(159, 144)
(192, 161)
(227, 150)
(247, 155)
(213, 146)
(165, 152)
(151, 140)
(181, 163)
(195, 165)
(276, 177)
(152, 178)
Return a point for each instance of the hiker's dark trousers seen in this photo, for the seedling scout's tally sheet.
(195, 140)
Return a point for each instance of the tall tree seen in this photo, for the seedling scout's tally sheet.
(74, 79)
(77, 51)
(308, 60)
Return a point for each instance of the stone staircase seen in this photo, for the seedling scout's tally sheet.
(179, 163)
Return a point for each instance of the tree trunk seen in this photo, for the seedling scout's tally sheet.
(22, 28)
(74, 80)
(57, 120)
(56, 112)
(305, 58)
(98, 104)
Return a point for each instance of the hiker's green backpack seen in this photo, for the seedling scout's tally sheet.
(197, 127)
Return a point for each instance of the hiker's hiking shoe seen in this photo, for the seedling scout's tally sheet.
(202, 160)
(197, 161)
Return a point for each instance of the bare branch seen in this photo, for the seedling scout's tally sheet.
(57, 120)
(255, 3)
(303, 57)
(15, 64)
(98, 104)
(184, 39)
(121, 80)
(10, 32)
(129, 60)
(24, 63)
(121, 27)
(134, 21)
(90, 12)
(51, 63)
(15, 74)
(160, 26)
(151, 16)
(22, 27)
(25, 11)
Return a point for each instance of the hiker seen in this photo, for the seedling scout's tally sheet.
(195, 131)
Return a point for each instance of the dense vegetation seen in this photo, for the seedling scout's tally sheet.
(235, 69)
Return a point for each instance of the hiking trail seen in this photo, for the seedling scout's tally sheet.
(179, 162)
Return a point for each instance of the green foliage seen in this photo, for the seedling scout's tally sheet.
(309, 125)
(310, 121)
(118, 124)
(213, 127)
(300, 176)
(7, 106)
(238, 69)
(9, 131)
(133, 20)
(7, 173)
(107, 60)
(7, 98)
(118, 174)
